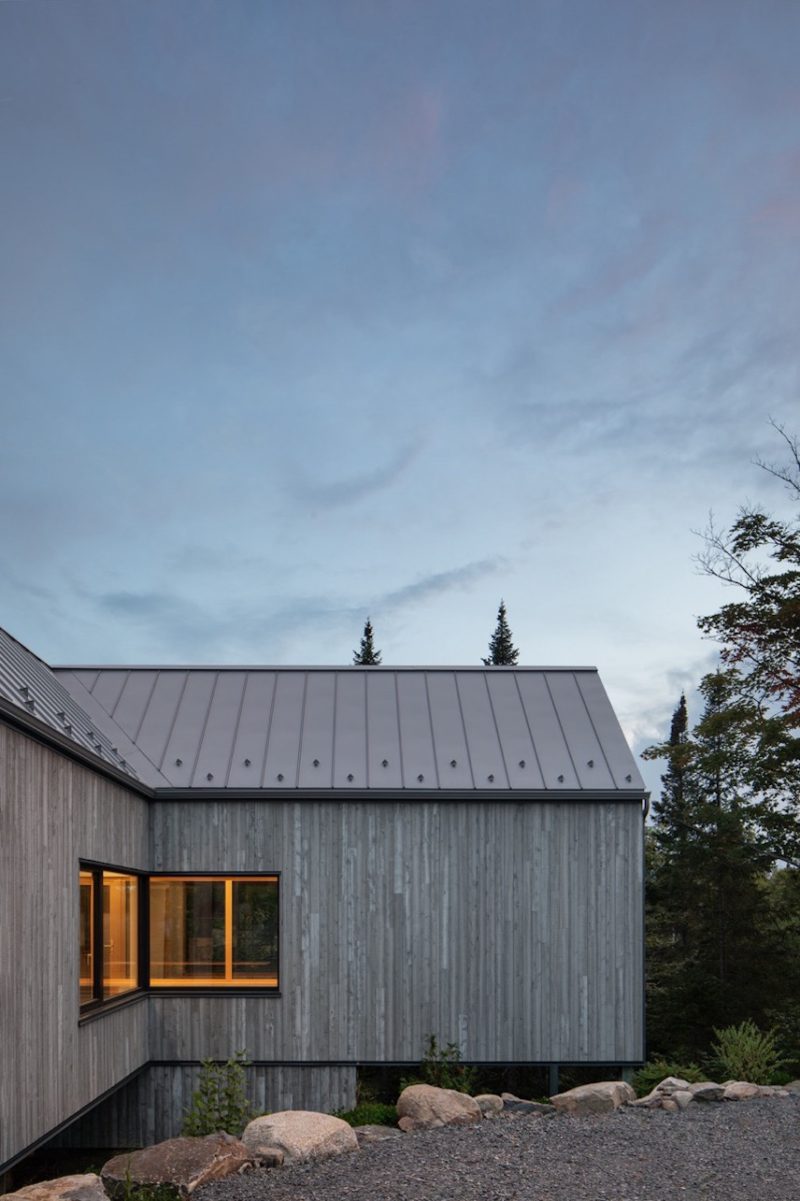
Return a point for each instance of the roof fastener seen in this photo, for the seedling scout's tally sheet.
(490, 778)
(452, 762)
(316, 762)
(385, 763)
(179, 762)
(280, 775)
(247, 762)
(590, 762)
(350, 777)
(522, 762)
(420, 777)
(210, 776)
(629, 777)
(561, 779)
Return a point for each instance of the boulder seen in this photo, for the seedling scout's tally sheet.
(65, 1188)
(707, 1090)
(423, 1106)
(300, 1135)
(375, 1134)
(602, 1097)
(490, 1104)
(773, 1090)
(740, 1090)
(670, 1104)
(682, 1097)
(793, 1086)
(180, 1163)
(512, 1104)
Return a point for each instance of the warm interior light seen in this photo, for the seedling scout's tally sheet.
(213, 931)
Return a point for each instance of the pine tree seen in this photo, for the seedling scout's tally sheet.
(502, 652)
(710, 936)
(366, 655)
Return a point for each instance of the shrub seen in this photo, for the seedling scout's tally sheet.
(746, 1053)
(220, 1100)
(655, 1070)
(786, 1024)
(369, 1113)
(442, 1067)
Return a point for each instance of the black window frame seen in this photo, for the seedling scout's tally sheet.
(221, 990)
(98, 1001)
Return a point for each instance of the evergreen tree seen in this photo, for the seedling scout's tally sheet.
(366, 655)
(502, 652)
(712, 958)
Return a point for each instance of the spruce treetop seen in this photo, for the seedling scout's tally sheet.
(367, 655)
(502, 652)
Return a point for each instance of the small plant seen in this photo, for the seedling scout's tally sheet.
(369, 1113)
(220, 1100)
(656, 1070)
(746, 1053)
(442, 1067)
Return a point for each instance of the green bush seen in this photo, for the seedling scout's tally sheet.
(655, 1070)
(746, 1053)
(442, 1067)
(220, 1100)
(369, 1113)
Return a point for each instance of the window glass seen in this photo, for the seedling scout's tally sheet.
(255, 929)
(86, 924)
(120, 934)
(213, 931)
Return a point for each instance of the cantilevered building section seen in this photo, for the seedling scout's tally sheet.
(322, 865)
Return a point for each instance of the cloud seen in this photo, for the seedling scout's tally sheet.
(337, 493)
(439, 582)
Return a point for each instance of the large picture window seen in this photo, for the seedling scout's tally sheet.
(108, 934)
(214, 931)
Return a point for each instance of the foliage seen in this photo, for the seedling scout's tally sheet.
(220, 1100)
(502, 652)
(713, 947)
(744, 1052)
(442, 1067)
(131, 1191)
(369, 1113)
(367, 655)
(760, 640)
(656, 1070)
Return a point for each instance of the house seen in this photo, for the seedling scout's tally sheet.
(320, 865)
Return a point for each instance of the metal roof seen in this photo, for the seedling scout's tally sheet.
(30, 686)
(448, 729)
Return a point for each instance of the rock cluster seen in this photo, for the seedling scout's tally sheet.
(674, 1094)
(296, 1136)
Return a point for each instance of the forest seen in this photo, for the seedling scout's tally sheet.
(723, 843)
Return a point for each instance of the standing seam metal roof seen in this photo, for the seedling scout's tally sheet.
(417, 729)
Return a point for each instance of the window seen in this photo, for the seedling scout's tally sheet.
(108, 934)
(214, 931)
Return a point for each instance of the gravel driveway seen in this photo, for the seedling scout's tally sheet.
(728, 1151)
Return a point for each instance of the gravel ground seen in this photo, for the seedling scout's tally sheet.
(732, 1151)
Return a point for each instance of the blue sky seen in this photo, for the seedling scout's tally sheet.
(318, 310)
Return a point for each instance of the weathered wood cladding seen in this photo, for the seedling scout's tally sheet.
(512, 928)
(54, 812)
(151, 1107)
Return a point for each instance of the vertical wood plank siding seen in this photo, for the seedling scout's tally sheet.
(53, 812)
(151, 1107)
(512, 928)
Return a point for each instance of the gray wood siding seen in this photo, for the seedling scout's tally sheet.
(151, 1107)
(54, 812)
(512, 928)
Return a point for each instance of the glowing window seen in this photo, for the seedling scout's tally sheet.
(214, 931)
(108, 934)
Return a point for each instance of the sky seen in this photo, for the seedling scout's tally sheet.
(317, 311)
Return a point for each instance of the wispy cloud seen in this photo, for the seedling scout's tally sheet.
(337, 493)
(441, 581)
